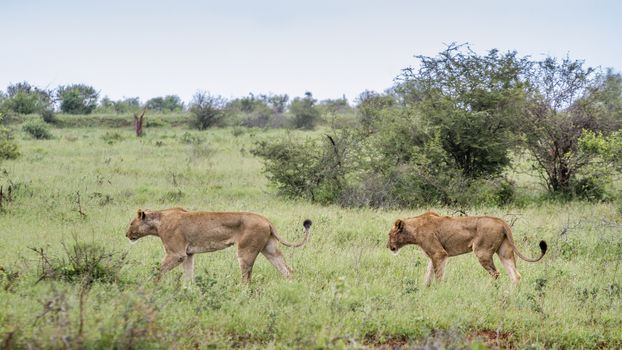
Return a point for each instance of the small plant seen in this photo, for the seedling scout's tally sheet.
(82, 262)
(48, 116)
(38, 129)
(237, 131)
(112, 137)
(172, 196)
(8, 278)
(191, 139)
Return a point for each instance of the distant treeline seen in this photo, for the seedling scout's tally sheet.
(253, 110)
(446, 132)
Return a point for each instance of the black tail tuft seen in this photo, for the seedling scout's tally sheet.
(543, 246)
(308, 223)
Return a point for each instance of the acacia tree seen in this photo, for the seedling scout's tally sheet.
(566, 99)
(207, 110)
(77, 98)
(471, 101)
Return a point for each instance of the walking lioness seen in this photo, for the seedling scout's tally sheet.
(184, 233)
(441, 237)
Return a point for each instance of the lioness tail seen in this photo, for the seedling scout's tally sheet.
(307, 225)
(543, 246)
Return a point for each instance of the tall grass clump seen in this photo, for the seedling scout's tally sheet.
(81, 261)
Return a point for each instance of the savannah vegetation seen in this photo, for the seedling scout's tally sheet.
(534, 142)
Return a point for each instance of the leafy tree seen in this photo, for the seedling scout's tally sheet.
(169, 103)
(24, 98)
(77, 98)
(106, 104)
(306, 115)
(566, 99)
(278, 103)
(333, 106)
(606, 150)
(472, 101)
(124, 105)
(207, 110)
(127, 105)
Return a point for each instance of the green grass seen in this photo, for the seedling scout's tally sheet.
(348, 290)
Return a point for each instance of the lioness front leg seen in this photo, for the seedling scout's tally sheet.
(246, 258)
(428, 274)
(439, 260)
(189, 268)
(170, 262)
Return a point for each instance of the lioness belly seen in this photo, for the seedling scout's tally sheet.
(458, 245)
(205, 247)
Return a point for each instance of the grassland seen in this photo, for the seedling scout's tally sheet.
(85, 185)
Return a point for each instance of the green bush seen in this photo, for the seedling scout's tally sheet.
(191, 139)
(308, 169)
(155, 122)
(590, 188)
(8, 147)
(38, 129)
(357, 169)
(306, 115)
(370, 108)
(112, 137)
(207, 110)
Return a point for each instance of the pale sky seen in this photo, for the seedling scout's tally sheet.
(149, 48)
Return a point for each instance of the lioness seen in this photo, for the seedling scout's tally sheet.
(185, 233)
(441, 237)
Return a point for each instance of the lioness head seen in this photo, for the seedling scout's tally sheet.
(398, 237)
(145, 223)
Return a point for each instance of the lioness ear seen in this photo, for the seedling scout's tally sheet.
(399, 224)
(152, 215)
(141, 214)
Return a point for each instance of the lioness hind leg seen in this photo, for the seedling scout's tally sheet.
(506, 255)
(485, 259)
(274, 255)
